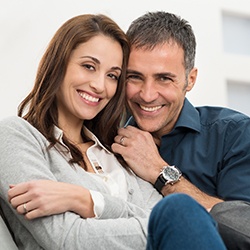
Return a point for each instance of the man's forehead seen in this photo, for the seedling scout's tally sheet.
(157, 60)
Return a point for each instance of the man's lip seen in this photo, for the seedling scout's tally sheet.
(150, 108)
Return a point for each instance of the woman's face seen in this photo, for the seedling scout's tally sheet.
(91, 79)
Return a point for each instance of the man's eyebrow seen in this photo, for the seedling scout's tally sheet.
(130, 71)
(160, 74)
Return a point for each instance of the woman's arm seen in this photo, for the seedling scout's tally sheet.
(24, 157)
(47, 197)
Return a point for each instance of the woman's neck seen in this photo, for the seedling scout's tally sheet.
(72, 131)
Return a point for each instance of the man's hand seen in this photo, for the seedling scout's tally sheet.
(139, 150)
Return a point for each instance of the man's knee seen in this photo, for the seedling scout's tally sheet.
(173, 203)
(179, 221)
(233, 223)
(181, 208)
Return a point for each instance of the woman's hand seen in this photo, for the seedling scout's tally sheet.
(40, 198)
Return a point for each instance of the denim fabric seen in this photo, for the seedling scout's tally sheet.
(179, 222)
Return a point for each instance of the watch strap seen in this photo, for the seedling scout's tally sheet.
(160, 183)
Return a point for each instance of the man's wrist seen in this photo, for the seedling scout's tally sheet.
(157, 171)
(154, 176)
(168, 175)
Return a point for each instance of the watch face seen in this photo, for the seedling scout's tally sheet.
(171, 174)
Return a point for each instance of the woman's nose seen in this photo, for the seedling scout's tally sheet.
(98, 83)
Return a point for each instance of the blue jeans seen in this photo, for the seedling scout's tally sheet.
(178, 222)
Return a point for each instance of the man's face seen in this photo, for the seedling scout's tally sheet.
(157, 85)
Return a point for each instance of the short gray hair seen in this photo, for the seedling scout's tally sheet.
(154, 28)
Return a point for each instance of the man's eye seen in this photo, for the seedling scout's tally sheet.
(165, 79)
(133, 77)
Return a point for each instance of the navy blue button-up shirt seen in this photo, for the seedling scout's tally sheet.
(211, 146)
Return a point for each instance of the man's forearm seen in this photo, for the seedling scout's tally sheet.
(184, 186)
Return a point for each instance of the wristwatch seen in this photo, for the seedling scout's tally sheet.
(168, 175)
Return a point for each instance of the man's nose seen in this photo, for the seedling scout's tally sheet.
(148, 92)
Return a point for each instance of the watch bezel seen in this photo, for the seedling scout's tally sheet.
(171, 174)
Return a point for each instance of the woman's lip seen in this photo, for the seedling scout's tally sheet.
(88, 97)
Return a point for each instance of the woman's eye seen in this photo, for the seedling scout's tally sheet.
(114, 77)
(88, 66)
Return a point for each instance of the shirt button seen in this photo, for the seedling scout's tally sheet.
(105, 178)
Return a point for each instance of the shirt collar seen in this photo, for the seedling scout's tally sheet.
(59, 135)
(189, 118)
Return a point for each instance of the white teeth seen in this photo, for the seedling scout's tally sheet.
(88, 97)
(150, 109)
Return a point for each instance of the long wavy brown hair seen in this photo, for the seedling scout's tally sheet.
(39, 108)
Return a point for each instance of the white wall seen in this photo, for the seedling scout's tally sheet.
(26, 26)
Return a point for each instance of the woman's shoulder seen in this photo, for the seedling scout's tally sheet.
(15, 124)
(18, 129)
(13, 121)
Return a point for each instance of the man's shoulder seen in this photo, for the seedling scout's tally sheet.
(214, 114)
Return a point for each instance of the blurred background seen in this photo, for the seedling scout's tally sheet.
(222, 29)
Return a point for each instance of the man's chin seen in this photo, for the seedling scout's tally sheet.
(147, 126)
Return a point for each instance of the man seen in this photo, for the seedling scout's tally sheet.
(210, 146)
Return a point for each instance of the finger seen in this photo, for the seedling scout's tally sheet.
(17, 190)
(117, 148)
(22, 208)
(122, 132)
(27, 207)
(35, 213)
(120, 139)
(129, 131)
(19, 200)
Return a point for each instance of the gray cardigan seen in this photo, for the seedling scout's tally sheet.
(24, 157)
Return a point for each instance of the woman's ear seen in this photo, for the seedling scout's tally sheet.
(192, 78)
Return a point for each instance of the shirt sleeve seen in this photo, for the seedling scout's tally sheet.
(98, 201)
(233, 178)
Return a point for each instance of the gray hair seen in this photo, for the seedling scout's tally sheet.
(154, 28)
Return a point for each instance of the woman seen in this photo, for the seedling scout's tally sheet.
(62, 138)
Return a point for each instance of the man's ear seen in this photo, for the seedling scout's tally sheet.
(192, 79)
